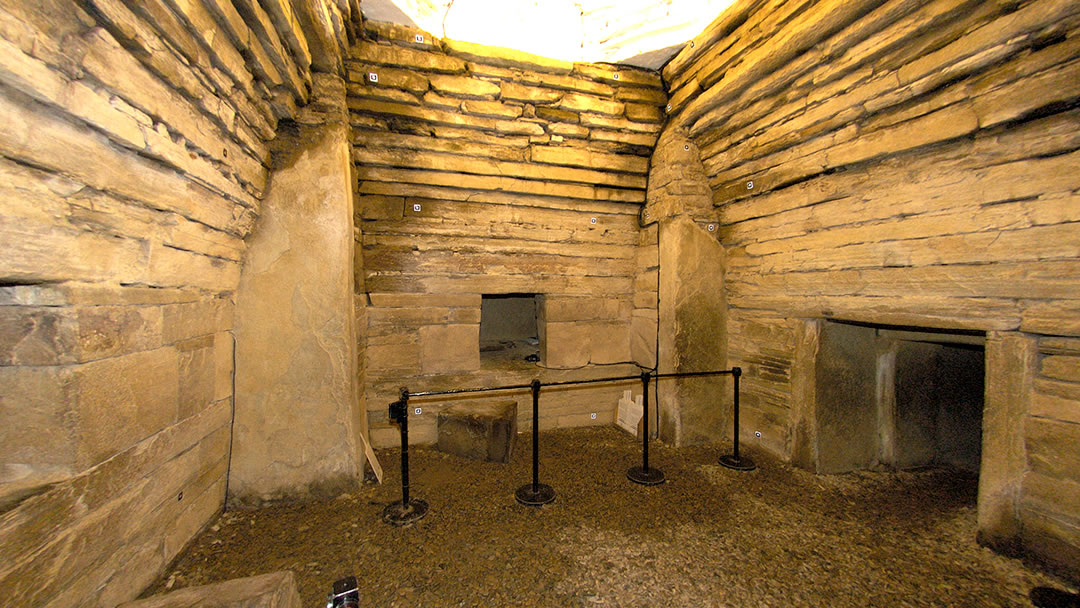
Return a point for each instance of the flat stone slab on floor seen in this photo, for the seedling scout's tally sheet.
(274, 590)
(482, 431)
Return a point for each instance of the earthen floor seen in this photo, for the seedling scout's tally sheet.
(710, 536)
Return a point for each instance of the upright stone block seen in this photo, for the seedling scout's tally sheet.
(480, 431)
(1011, 360)
(297, 404)
(693, 334)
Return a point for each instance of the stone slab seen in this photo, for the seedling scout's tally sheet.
(274, 590)
(449, 348)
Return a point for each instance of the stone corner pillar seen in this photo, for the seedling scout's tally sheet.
(1011, 360)
(693, 334)
(296, 429)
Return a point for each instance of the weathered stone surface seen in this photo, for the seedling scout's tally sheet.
(197, 375)
(1010, 367)
(484, 431)
(580, 157)
(518, 128)
(492, 109)
(625, 74)
(567, 130)
(399, 57)
(693, 333)
(274, 590)
(463, 86)
(503, 57)
(655, 97)
(513, 91)
(384, 76)
(557, 115)
(133, 495)
(40, 437)
(643, 113)
(565, 344)
(576, 102)
(295, 340)
(449, 348)
(610, 344)
(123, 400)
(643, 339)
(557, 309)
(377, 207)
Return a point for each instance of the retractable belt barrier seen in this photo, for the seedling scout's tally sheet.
(535, 493)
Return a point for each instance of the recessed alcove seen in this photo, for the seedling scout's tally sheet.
(898, 398)
(509, 328)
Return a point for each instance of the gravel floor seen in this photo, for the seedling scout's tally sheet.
(710, 536)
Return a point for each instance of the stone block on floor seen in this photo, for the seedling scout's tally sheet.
(274, 590)
(482, 431)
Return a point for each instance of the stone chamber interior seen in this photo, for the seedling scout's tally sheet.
(231, 232)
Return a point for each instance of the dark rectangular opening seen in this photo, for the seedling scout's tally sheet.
(509, 329)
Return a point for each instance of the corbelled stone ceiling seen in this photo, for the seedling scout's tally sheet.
(644, 33)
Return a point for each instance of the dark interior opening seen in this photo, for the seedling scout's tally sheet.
(509, 326)
(939, 404)
(899, 398)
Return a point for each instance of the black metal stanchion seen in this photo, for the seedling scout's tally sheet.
(535, 494)
(734, 461)
(408, 510)
(643, 474)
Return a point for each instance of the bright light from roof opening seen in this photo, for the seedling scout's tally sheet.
(571, 30)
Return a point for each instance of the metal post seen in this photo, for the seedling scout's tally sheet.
(406, 511)
(735, 461)
(643, 474)
(535, 494)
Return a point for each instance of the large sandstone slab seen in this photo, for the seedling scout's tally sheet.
(297, 406)
(274, 590)
(449, 348)
(692, 333)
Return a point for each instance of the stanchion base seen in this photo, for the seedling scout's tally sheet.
(646, 477)
(399, 514)
(742, 463)
(542, 496)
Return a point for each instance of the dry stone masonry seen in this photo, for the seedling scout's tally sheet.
(902, 163)
(488, 171)
(134, 154)
(232, 230)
